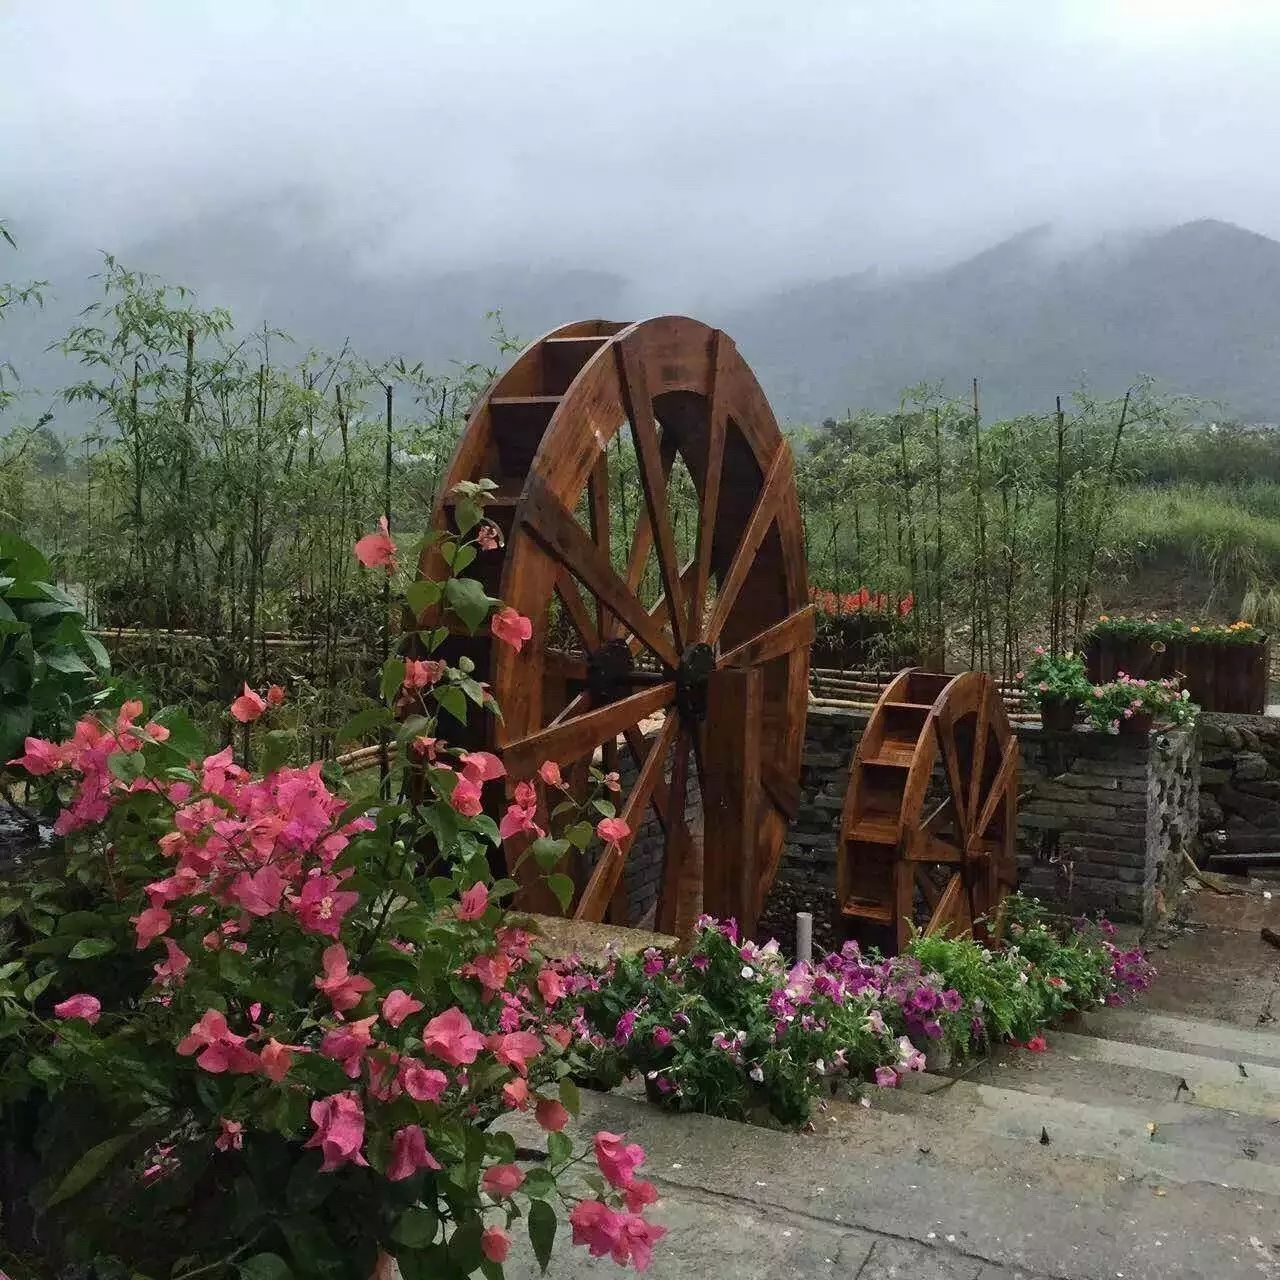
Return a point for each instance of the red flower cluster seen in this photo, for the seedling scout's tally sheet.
(861, 601)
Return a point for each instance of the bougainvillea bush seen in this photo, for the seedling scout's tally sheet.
(248, 1029)
(728, 1028)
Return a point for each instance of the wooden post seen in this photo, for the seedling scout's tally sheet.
(732, 794)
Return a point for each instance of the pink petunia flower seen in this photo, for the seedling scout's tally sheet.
(511, 627)
(85, 1007)
(378, 550)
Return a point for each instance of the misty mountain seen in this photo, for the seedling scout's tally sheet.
(1197, 307)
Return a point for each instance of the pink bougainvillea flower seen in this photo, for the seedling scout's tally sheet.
(277, 1058)
(617, 1158)
(1037, 1043)
(339, 1122)
(482, 766)
(219, 1048)
(515, 1093)
(423, 1084)
(174, 965)
(511, 627)
(502, 1180)
(495, 1244)
(473, 904)
(378, 550)
(421, 673)
(514, 1049)
(248, 706)
(551, 1115)
(549, 772)
(348, 1045)
(424, 747)
(259, 892)
(613, 782)
(344, 989)
(231, 1137)
(550, 985)
(597, 1226)
(491, 971)
(409, 1154)
(612, 830)
(640, 1194)
(85, 1007)
(488, 536)
(150, 924)
(450, 1037)
(465, 797)
(398, 1005)
(39, 757)
(276, 696)
(322, 904)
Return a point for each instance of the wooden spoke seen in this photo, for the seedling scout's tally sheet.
(578, 737)
(999, 785)
(576, 706)
(660, 609)
(776, 483)
(653, 480)
(974, 794)
(571, 598)
(566, 666)
(955, 775)
(710, 490)
(608, 871)
(781, 786)
(598, 507)
(676, 864)
(793, 632)
(568, 542)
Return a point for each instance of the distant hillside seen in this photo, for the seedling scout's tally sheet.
(1198, 307)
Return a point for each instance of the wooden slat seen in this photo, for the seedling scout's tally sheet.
(753, 534)
(653, 481)
(783, 787)
(710, 503)
(571, 598)
(598, 508)
(570, 544)
(608, 871)
(793, 632)
(999, 785)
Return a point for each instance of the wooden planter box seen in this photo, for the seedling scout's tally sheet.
(1221, 676)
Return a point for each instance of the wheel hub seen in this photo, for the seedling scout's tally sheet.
(609, 671)
(696, 666)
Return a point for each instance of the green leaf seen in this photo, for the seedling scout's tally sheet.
(452, 700)
(91, 948)
(416, 1227)
(101, 658)
(463, 558)
(277, 749)
(67, 661)
(392, 678)
(363, 722)
(421, 594)
(559, 1148)
(542, 1232)
(547, 851)
(307, 1187)
(466, 515)
(570, 1096)
(265, 1266)
(466, 597)
(127, 765)
(539, 1184)
(562, 887)
(579, 835)
(34, 990)
(604, 808)
(89, 1167)
(464, 1246)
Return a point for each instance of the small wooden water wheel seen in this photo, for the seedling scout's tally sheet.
(928, 832)
(646, 645)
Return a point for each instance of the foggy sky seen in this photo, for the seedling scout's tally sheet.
(697, 147)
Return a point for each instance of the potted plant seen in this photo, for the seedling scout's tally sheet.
(1131, 706)
(1058, 685)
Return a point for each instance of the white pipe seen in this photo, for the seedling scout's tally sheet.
(804, 937)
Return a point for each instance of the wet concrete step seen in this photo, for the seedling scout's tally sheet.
(1189, 1035)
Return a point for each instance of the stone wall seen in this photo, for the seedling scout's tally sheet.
(1103, 821)
(1239, 783)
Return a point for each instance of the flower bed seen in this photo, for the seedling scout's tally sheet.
(728, 1028)
(1226, 668)
(860, 627)
(250, 1029)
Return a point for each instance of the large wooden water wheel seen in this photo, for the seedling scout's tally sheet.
(679, 633)
(928, 832)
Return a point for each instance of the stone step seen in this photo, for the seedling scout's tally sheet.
(1175, 1142)
(1190, 1035)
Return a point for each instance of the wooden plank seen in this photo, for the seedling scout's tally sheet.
(608, 871)
(732, 792)
(653, 481)
(793, 632)
(598, 508)
(709, 504)
(1000, 785)
(782, 786)
(776, 483)
(571, 598)
(573, 739)
(570, 544)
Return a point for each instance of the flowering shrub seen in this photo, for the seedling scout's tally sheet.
(1163, 632)
(249, 1028)
(841, 604)
(1062, 677)
(1125, 697)
(728, 1028)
